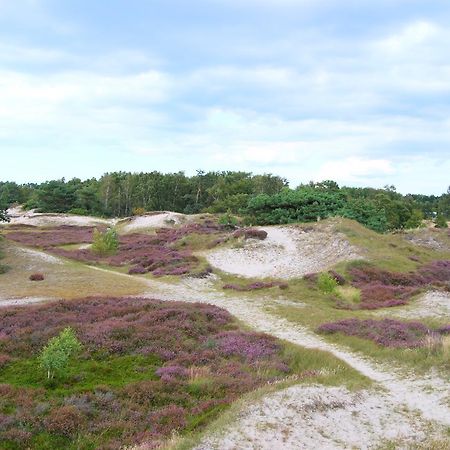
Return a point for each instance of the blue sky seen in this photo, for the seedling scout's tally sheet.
(355, 91)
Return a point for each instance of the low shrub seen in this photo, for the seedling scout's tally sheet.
(4, 360)
(66, 420)
(381, 288)
(326, 283)
(37, 277)
(105, 243)
(440, 222)
(228, 220)
(340, 279)
(386, 332)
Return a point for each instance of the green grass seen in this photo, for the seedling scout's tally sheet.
(83, 374)
(68, 280)
(386, 251)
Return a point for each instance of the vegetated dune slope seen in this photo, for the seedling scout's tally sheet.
(287, 252)
(299, 417)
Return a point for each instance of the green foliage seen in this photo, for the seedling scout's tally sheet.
(305, 204)
(228, 220)
(105, 243)
(55, 356)
(326, 283)
(263, 199)
(440, 222)
(415, 220)
(366, 213)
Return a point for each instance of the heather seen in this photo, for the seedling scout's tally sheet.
(163, 253)
(381, 288)
(386, 332)
(146, 368)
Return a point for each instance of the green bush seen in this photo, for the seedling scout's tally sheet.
(415, 220)
(79, 211)
(55, 356)
(228, 220)
(326, 283)
(106, 243)
(440, 222)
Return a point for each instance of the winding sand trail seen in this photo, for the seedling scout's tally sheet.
(413, 393)
(410, 402)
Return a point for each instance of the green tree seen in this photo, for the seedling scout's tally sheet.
(55, 356)
(415, 220)
(440, 222)
(105, 243)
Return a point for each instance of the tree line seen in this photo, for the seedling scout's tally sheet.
(261, 199)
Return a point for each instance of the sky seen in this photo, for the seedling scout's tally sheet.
(357, 91)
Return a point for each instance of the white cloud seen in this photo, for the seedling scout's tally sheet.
(355, 169)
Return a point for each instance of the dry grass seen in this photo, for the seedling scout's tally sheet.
(66, 279)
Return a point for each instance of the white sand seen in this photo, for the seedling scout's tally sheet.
(287, 252)
(317, 417)
(22, 217)
(432, 304)
(159, 220)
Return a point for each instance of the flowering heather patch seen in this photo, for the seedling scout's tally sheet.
(250, 346)
(145, 253)
(52, 237)
(386, 332)
(36, 277)
(444, 330)
(255, 286)
(164, 365)
(381, 288)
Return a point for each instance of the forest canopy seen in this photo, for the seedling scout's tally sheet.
(261, 199)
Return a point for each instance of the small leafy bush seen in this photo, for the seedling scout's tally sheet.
(228, 220)
(105, 243)
(326, 283)
(37, 277)
(138, 211)
(440, 222)
(55, 356)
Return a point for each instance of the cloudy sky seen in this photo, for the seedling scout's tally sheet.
(352, 90)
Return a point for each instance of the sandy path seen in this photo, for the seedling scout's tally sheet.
(414, 393)
(287, 252)
(428, 396)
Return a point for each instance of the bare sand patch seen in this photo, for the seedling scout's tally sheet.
(287, 252)
(317, 417)
(159, 220)
(432, 304)
(19, 216)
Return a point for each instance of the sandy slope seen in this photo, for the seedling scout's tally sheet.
(287, 252)
(19, 216)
